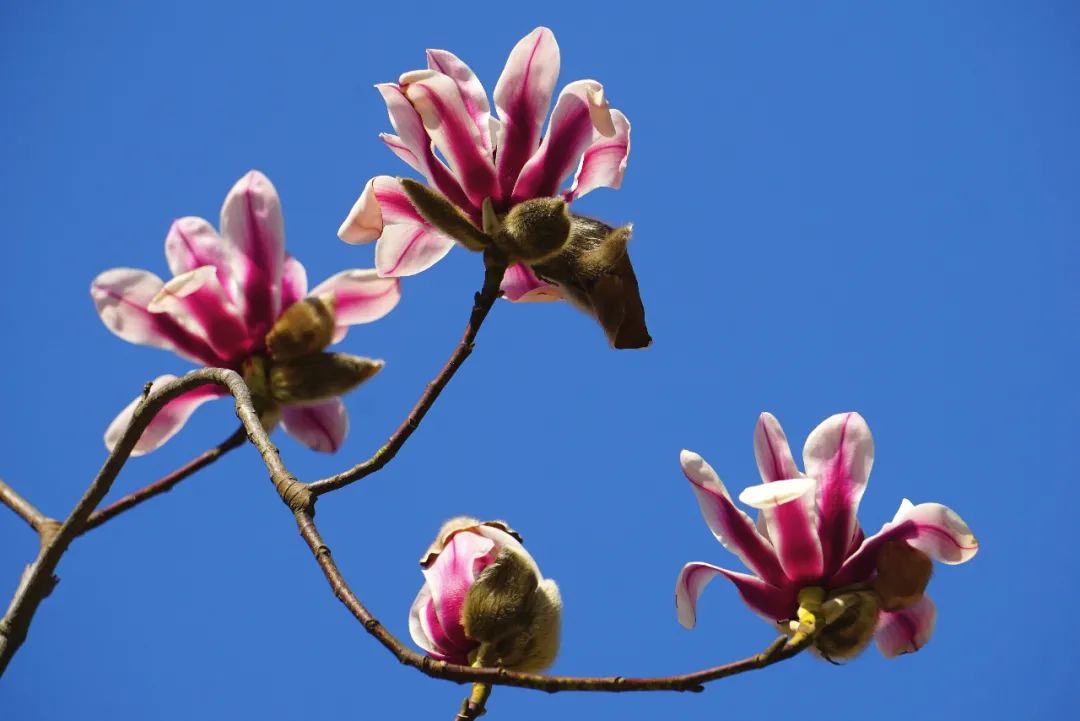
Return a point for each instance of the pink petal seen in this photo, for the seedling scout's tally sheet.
(772, 452)
(121, 296)
(399, 148)
(293, 281)
(199, 296)
(906, 631)
(934, 529)
(771, 603)
(522, 97)
(252, 224)
(320, 426)
(168, 421)
(839, 454)
(473, 96)
(414, 138)
(520, 284)
(789, 519)
(193, 243)
(451, 576)
(604, 162)
(570, 132)
(733, 528)
(438, 101)
(360, 296)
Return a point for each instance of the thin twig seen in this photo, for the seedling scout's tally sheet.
(489, 293)
(165, 483)
(475, 705)
(23, 508)
(778, 651)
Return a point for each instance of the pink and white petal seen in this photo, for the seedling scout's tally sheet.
(838, 454)
(522, 97)
(168, 421)
(451, 576)
(572, 129)
(192, 243)
(294, 281)
(473, 95)
(409, 248)
(198, 295)
(360, 296)
(906, 631)
(415, 139)
(399, 148)
(791, 530)
(320, 426)
(733, 528)
(603, 163)
(438, 101)
(364, 223)
(771, 603)
(771, 449)
(121, 296)
(521, 285)
(252, 224)
(934, 529)
(421, 633)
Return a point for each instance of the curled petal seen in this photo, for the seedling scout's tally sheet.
(408, 249)
(319, 426)
(906, 631)
(450, 577)
(839, 454)
(252, 224)
(199, 296)
(168, 421)
(473, 97)
(603, 163)
(193, 243)
(572, 129)
(522, 97)
(360, 296)
(121, 296)
(520, 284)
(733, 528)
(771, 603)
(790, 525)
(364, 223)
(293, 281)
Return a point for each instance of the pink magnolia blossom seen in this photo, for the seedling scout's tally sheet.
(227, 292)
(484, 601)
(807, 533)
(504, 158)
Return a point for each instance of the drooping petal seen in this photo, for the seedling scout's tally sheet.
(838, 454)
(522, 97)
(574, 123)
(193, 243)
(906, 631)
(168, 421)
(414, 139)
(320, 426)
(199, 296)
(783, 506)
(360, 296)
(520, 284)
(934, 529)
(451, 576)
(473, 96)
(251, 222)
(771, 603)
(438, 100)
(293, 281)
(121, 296)
(733, 528)
(603, 163)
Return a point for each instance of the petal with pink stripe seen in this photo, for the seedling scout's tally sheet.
(791, 530)
(319, 426)
(906, 631)
(168, 421)
(473, 96)
(771, 603)
(603, 163)
(360, 296)
(199, 296)
(521, 285)
(192, 243)
(293, 281)
(451, 576)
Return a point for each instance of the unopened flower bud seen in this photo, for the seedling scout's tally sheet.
(305, 327)
(444, 215)
(903, 573)
(319, 377)
(849, 621)
(534, 230)
(484, 601)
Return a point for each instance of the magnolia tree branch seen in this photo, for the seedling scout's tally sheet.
(25, 510)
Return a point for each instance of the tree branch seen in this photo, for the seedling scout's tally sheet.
(489, 293)
(24, 509)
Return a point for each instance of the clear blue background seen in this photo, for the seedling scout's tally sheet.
(841, 206)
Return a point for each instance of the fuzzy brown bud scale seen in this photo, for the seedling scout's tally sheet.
(305, 327)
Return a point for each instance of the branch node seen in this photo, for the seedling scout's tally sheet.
(295, 494)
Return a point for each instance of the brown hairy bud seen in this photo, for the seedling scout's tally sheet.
(850, 620)
(534, 230)
(444, 215)
(319, 377)
(594, 272)
(305, 327)
(903, 573)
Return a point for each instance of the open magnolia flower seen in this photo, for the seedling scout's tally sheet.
(813, 568)
(484, 601)
(500, 186)
(238, 300)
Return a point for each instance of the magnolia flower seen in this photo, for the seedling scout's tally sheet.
(501, 183)
(807, 548)
(484, 601)
(238, 300)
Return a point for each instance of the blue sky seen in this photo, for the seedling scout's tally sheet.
(849, 206)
